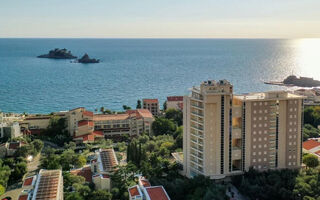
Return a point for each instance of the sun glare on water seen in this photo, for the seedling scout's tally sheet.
(308, 57)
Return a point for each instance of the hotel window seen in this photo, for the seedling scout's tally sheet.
(265, 118)
(265, 125)
(260, 103)
(289, 163)
(259, 166)
(290, 136)
(294, 163)
(260, 132)
(290, 109)
(254, 153)
(254, 111)
(265, 103)
(254, 139)
(265, 138)
(260, 118)
(253, 160)
(259, 152)
(259, 139)
(265, 152)
(254, 119)
(254, 125)
(265, 145)
(265, 159)
(260, 111)
(254, 146)
(260, 125)
(254, 132)
(260, 145)
(259, 159)
(254, 104)
(295, 109)
(290, 143)
(289, 157)
(265, 131)
(290, 116)
(290, 123)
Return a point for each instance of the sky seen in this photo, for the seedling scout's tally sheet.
(160, 18)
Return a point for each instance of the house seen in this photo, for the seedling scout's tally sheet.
(144, 191)
(9, 148)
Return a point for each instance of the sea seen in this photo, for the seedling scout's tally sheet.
(133, 69)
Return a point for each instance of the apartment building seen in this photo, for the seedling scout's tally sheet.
(226, 134)
(48, 184)
(175, 102)
(152, 105)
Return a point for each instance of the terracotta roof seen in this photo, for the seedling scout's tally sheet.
(84, 172)
(14, 145)
(157, 193)
(134, 191)
(108, 159)
(100, 117)
(145, 183)
(85, 122)
(97, 133)
(48, 185)
(86, 137)
(310, 144)
(175, 98)
(150, 101)
(145, 113)
(23, 197)
(88, 113)
(28, 181)
(317, 152)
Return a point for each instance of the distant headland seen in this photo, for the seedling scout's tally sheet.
(58, 54)
(295, 81)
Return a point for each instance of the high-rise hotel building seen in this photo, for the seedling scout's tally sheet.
(226, 134)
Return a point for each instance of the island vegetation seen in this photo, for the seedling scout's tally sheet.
(58, 54)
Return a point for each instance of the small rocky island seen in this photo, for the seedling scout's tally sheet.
(295, 81)
(58, 54)
(86, 59)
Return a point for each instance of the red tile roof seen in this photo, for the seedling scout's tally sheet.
(14, 145)
(150, 100)
(23, 197)
(100, 117)
(134, 191)
(85, 122)
(97, 133)
(157, 193)
(310, 144)
(28, 181)
(175, 98)
(317, 152)
(145, 113)
(145, 183)
(108, 159)
(88, 113)
(84, 172)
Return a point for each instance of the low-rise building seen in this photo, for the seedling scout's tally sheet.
(10, 130)
(312, 146)
(48, 184)
(133, 122)
(175, 102)
(9, 148)
(102, 167)
(152, 105)
(144, 191)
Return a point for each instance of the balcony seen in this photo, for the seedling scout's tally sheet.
(236, 133)
(197, 113)
(198, 106)
(236, 153)
(197, 127)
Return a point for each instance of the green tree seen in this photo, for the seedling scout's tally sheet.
(125, 107)
(80, 161)
(139, 104)
(2, 190)
(310, 132)
(165, 105)
(101, 195)
(38, 145)
(175, 115)
(74, 196)
(102, 109)
(5, 172)
(163, 126)
(310, 160)
(18, 172)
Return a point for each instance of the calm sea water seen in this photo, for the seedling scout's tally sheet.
(133, 69)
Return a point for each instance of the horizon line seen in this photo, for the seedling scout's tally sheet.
(235, 38)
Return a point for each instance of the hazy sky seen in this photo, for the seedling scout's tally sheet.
(160, 18)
